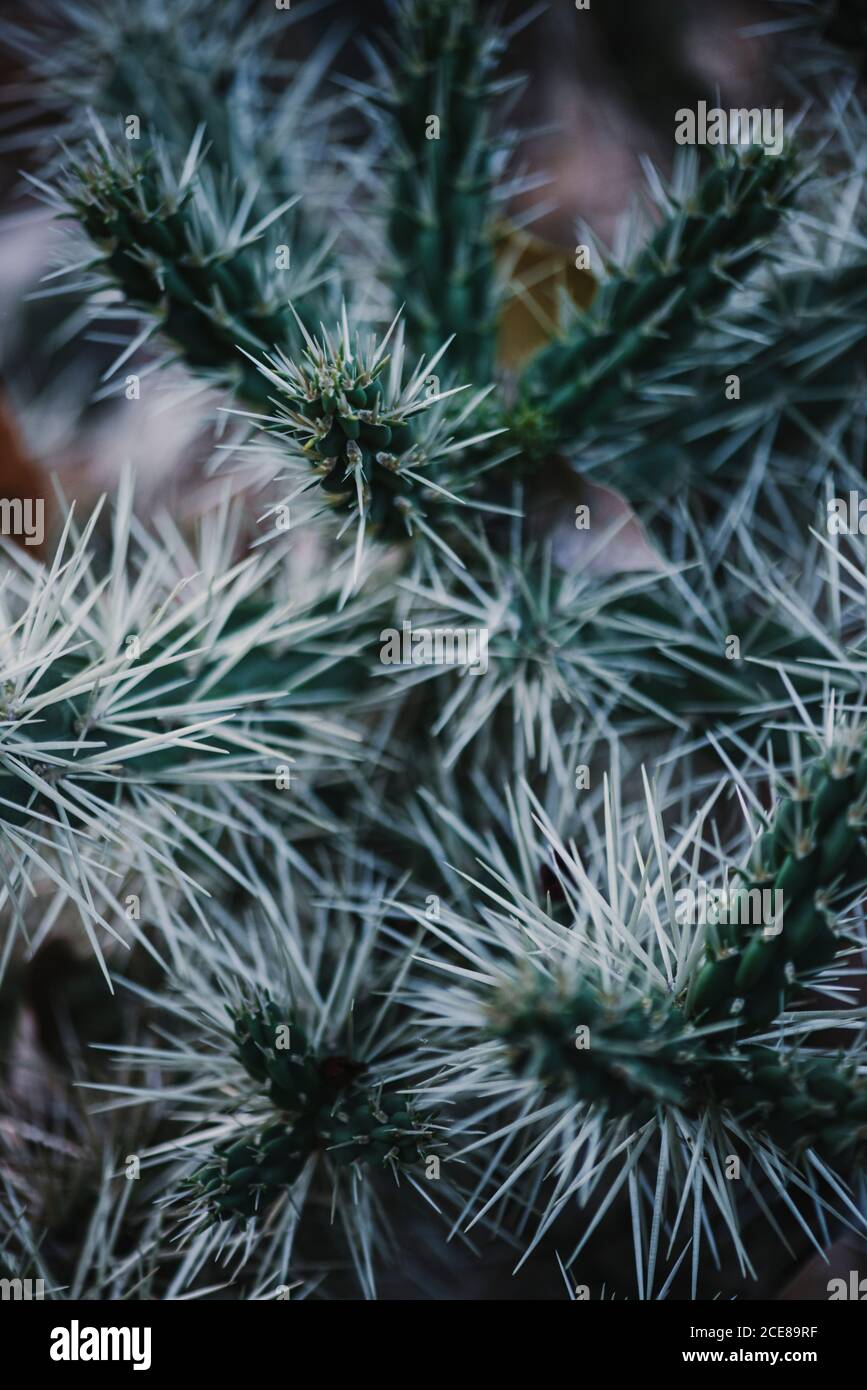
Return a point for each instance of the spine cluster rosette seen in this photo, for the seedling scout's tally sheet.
(130, 687)
(377, 444)
(325, 1106)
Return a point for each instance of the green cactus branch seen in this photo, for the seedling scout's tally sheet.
(812, 854)
(642, 1056)
(657, 1050)
(189, 261)
(646, 318)
(800, 363)
(436, 125)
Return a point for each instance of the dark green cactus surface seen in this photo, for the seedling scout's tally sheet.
(647, 315)
(325, 1106)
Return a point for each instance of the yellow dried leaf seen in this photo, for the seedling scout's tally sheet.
(540, 274)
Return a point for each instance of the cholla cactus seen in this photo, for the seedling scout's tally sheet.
(644, 317)
(364, 434)
(439, 78)
(296, 1098)
(131, 697)
(611, 1024)
(551, 937)
(323, 1104)
(180, 254)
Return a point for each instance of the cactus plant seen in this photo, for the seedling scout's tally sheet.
(547, 928)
